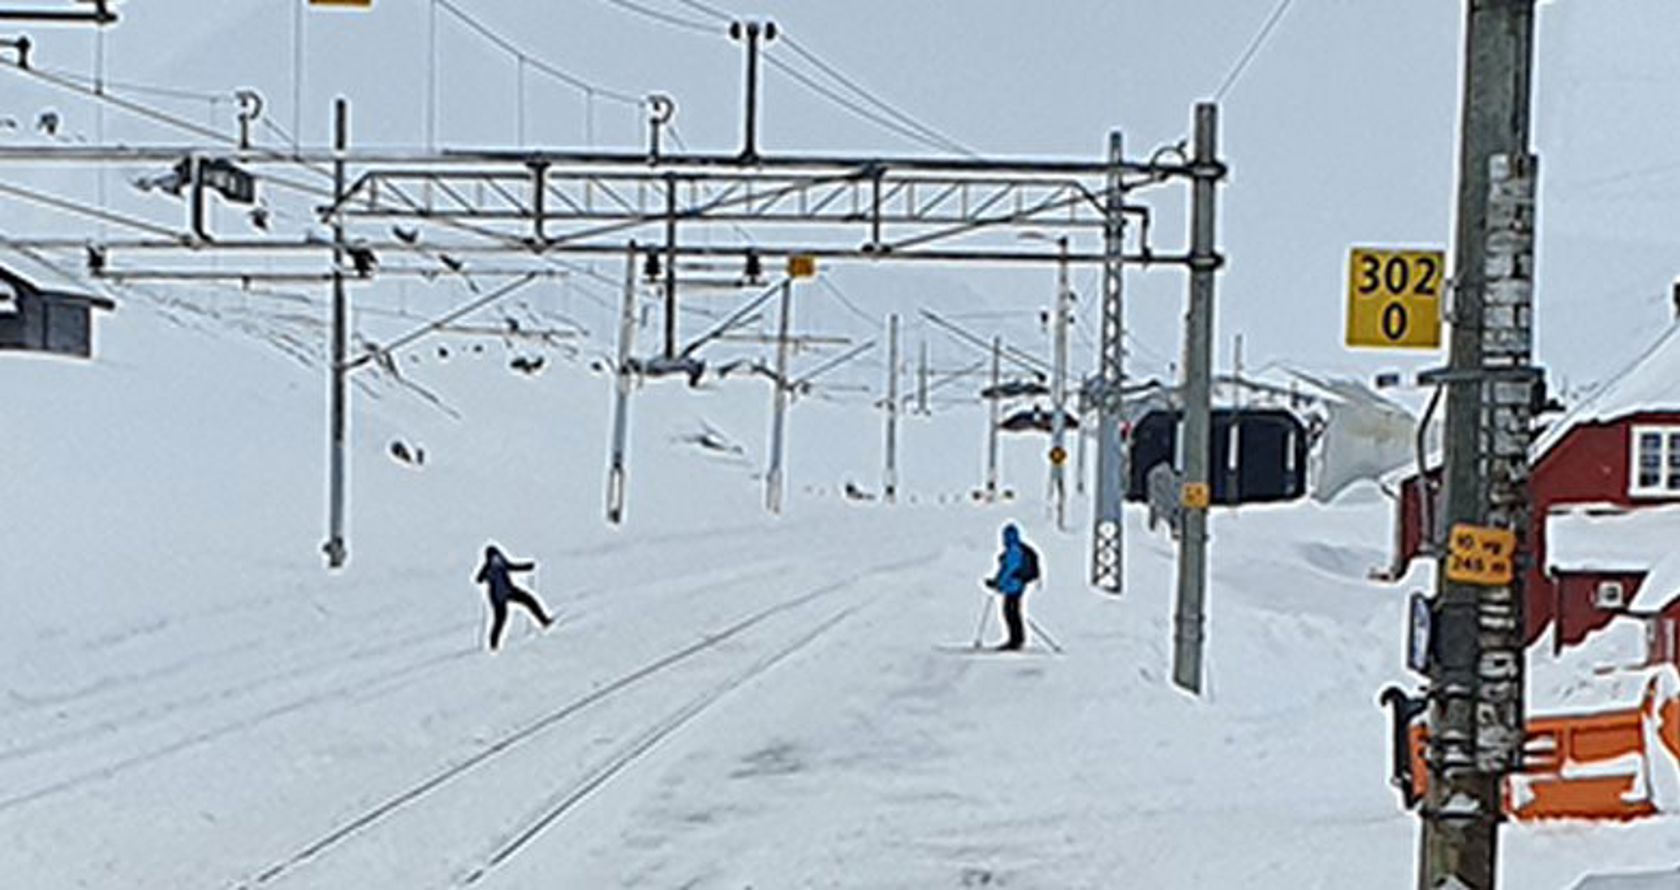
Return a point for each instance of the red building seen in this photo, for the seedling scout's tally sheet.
(1618, 452)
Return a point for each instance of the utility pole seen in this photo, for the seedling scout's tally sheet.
(1458, 848)
(1082, 436)
(670, 267)
(890, 477)
(1058, 391)
(1108, 533)
(1188, 622)
(335, 547)
(922, 382)
(992, 423)
(621, 398)
(773, 477)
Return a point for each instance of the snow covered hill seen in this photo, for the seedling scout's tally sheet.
(728, 700)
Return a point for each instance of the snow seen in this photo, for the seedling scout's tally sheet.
(1605, 674)
(728, 700)
(1647, 384)
(1583, 539)
(1659, 879)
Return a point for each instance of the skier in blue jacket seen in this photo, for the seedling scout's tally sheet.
(502, 590)
(1011, 583)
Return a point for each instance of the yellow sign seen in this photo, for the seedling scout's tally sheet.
(1480, 555)
(1058, 455)
(802, 265)
(1197, 495)
(1394, 298)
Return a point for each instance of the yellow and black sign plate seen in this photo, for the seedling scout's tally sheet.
(1480, 555)
(1394, 298)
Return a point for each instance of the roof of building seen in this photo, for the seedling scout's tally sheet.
(16, 282)
(1650, 383)
(1602, 538)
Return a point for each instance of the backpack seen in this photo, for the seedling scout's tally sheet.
(1029, 564)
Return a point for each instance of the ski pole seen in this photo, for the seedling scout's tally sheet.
(1054, 646)
(985, 613)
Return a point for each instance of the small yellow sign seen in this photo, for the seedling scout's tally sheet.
(802, 265)
(1197, 495)
(1394, 298)
(1480, 555)
(1058, 455)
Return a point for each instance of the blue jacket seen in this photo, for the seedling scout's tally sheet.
(495, 573)
(1010, 563)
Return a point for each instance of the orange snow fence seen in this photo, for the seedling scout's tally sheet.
(1612, 765)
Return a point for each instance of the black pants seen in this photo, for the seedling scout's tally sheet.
(499, 608)
(1012, 622)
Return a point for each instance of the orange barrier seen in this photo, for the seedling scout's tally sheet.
(1583, 766)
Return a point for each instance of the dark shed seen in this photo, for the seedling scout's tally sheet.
(36, 320)
(1257, 455)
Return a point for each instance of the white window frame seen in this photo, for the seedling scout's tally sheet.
(1610, 596)
(1668, 472)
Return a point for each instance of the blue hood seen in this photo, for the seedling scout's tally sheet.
(1011, 535)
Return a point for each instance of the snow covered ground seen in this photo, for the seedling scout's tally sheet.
(729, 701)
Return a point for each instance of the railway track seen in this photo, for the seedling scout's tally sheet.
(352, 828)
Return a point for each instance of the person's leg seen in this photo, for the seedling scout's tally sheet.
(498, 620)
(1012, 620)
(530, 604)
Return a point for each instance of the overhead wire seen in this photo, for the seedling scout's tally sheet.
(846, 301)
(675, 21)
(1253, 50)
(887, 116)
(707, 9)
(886, 123)
(907, 120)
(579, 83)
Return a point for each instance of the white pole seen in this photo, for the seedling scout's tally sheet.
(621, 401)
(773, 477)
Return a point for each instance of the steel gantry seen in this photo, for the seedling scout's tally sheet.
(496, 212)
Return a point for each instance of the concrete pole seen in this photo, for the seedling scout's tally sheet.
(1462, 812)
(336, 548)
(1058, 392)
(778, 405)
(1082, 436)
(922, 382)
(890, 476)
(992, 423)
(670, 267)
(1198, 375)
(621, 397)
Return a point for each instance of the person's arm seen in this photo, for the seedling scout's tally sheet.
(521, 566)
(1011, 565)
(483, 573)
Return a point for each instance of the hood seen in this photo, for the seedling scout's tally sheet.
(1011, 535)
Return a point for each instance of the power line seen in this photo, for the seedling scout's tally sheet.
(167, 92)
(889, 116)
(906, 119)
(846, 302)
(676, 21)
(851, 106)
(708, 9)
(1254, 47)
(578, 83)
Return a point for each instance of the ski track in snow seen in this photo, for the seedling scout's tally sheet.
(657, 732)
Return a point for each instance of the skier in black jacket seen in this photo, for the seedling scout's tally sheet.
(502, 590)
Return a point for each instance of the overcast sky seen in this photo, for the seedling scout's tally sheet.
(1342, 131)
